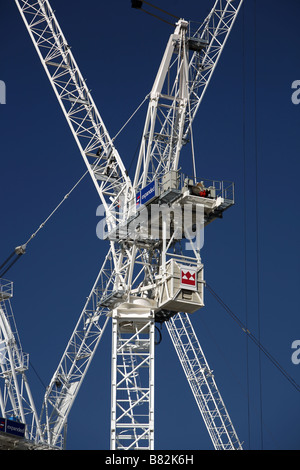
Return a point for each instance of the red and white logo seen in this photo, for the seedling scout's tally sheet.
(188, 278)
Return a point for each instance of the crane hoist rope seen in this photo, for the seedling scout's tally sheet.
(160, 9)
(255, 340)
(56, 208)
(21, 250)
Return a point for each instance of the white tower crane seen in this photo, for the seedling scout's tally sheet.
(148, 275)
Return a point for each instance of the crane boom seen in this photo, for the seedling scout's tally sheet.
(103, 161)
(179, 88)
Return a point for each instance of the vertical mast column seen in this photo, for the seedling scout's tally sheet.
(132, 393)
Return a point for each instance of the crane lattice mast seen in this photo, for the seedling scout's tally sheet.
(16, 403)
(149, 275)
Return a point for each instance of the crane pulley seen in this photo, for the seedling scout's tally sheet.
(12, 259)
(143, 279)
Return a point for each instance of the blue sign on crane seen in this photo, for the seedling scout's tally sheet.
(147, 194)
(12, 427)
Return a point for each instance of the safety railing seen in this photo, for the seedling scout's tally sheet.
(215, 188)
(6, 289)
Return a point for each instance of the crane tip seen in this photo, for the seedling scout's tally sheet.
(136, 4)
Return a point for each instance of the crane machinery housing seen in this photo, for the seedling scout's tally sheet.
(153, 272)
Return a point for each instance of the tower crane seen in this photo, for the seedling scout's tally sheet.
(153, 272)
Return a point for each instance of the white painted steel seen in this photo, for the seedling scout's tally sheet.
(130, 271)
(16, 400)
(202, 382)
(132, 388)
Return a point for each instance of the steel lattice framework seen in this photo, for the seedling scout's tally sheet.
(135, 287)
(202, 383)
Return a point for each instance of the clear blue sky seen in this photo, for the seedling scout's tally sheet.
(119, 50)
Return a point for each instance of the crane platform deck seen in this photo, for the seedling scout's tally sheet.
(10, 442)
(174, 193)
(13, 436)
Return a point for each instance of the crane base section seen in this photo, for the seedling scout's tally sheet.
(132, 392)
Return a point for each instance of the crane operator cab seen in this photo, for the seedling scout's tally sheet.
(179, 202)
(180, 281)
(166, 211)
